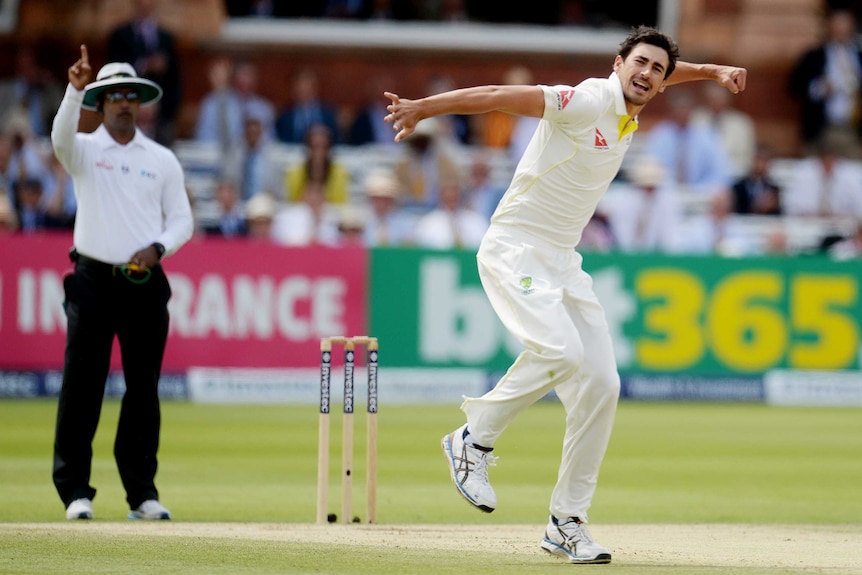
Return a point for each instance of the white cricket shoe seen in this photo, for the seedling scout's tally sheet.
(468, 466)
(150, 509)
(572, 540)
(80, 509)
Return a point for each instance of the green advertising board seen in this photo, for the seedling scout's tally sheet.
(705, 316)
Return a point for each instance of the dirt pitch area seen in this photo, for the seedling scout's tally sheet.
(818, 549)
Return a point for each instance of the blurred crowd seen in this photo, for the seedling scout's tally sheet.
(298, 173)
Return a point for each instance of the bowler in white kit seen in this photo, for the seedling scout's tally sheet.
(531, 271)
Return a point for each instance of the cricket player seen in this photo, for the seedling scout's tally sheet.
(531, 271)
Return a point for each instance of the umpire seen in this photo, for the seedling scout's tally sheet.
(132, 210)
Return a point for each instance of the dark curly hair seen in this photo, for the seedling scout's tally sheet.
(654, 37)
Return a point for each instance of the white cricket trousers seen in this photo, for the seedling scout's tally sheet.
(546, 300)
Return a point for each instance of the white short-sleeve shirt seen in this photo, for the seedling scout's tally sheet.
(574, 155)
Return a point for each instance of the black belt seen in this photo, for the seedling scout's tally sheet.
(135, 276)
(81, 259)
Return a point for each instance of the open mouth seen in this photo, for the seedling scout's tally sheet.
(640, 86)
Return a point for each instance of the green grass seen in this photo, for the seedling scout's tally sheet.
(667, 463)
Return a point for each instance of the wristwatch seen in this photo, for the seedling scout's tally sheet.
(160, 249)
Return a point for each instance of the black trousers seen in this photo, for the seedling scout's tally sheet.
(102, 303)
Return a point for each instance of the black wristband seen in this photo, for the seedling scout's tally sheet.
(160, 249)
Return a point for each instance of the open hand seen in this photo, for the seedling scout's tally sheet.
(401, 115)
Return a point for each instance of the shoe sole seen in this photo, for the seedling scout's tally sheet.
(162, 517)
(446, 444)
(80, 516)
(559, 551)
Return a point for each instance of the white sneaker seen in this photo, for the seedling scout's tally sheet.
(150, 509)
(572, 540)
(80, 509)
(469, 469)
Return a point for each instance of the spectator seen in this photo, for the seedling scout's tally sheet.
(825, 185)
(245, 78)
(232, 97)
(368, 126)
(495, 129)
(231, 221)
(259, 215)
(848, 248)
(647, 213)
(482, 191)
(32, 92)
(453, 129)
(351, 226)
(28, 204)
(691, 153)
(252, 164)
(319, 167)
(59, 201)
(756, 192)
(219, 119)
(386, 224)
(597, 236)
(7, 178)
(522, 133)
(8, 221)
(306, 109)
(735, 128)
(311, 221)
(826, 82)
(151, 49)
(423, 166)
(26, 159)
(36, 213)
(451, 225)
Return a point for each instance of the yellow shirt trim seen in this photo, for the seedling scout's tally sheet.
(626, 126)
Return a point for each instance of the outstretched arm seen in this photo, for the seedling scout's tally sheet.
(404, 114)
(731, 77)
(65, 124)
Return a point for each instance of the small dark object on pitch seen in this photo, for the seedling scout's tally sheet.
(332, 517)
(356, 519)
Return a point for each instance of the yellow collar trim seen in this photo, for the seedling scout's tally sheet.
(627, 125)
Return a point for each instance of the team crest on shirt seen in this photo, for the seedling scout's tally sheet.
(527, 285)
(563, 98)
(601, 142)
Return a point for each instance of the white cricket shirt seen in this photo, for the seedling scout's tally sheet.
(575, 153)
(129, 196)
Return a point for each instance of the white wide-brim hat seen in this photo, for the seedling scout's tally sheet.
(120, 74)
(381, 184)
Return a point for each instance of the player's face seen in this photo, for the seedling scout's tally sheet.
(642, 73)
